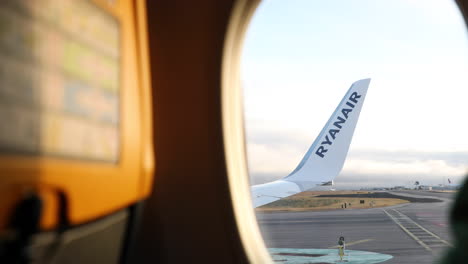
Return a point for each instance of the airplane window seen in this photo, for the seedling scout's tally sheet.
(332, 181)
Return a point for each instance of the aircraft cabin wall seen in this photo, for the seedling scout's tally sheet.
(86, 88)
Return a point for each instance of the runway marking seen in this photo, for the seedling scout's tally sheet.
(356, 242)
(407, 231)
(427, 231)
(424, 237)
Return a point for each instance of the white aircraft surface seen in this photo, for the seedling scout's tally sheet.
(325, 158)
(453, 185)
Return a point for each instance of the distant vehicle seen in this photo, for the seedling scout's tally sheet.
(325, 158)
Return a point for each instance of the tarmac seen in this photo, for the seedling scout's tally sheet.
(408, 233)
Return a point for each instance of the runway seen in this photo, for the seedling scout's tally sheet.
(411, 233)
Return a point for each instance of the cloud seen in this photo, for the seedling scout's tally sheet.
(429, 169)
(274, 153)
(273, 149)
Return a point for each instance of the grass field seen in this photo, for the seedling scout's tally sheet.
(308, 201)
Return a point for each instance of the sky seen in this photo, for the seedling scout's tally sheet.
(301, 56)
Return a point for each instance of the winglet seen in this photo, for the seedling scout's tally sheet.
(325, 158)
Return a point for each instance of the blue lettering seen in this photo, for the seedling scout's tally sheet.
(354, 96)
(333, 133)
(327, 141)
(350, 104)
(339, 122)
(320, 151)
(346, 111)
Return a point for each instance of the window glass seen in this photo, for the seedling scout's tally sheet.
(408, 155)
